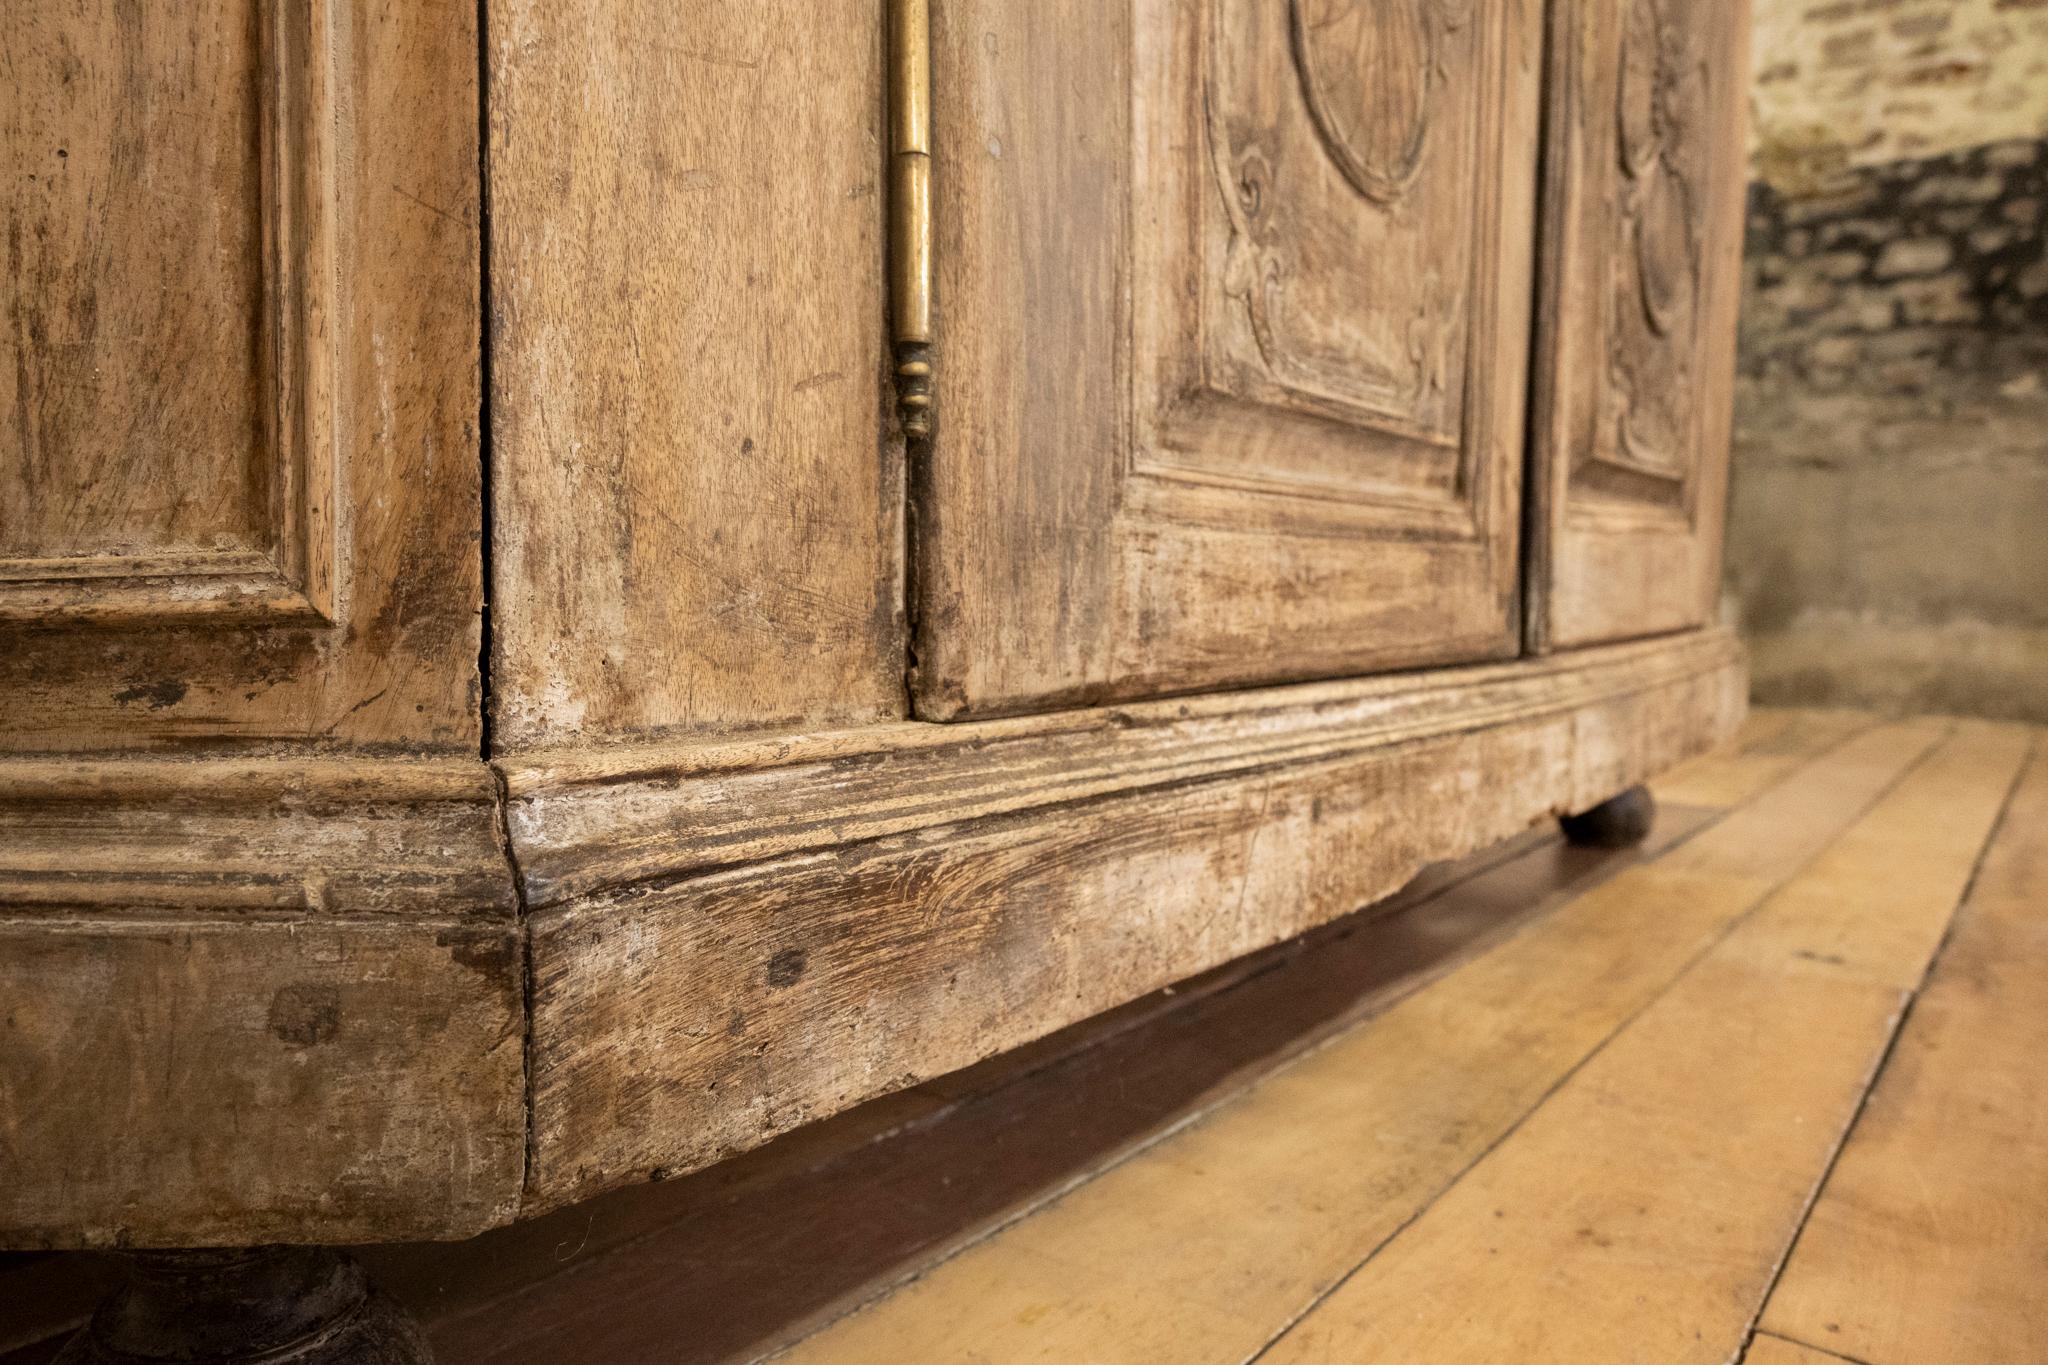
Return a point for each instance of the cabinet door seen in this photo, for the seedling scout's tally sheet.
(1636, 333)
(238, 378)
(1232, 319)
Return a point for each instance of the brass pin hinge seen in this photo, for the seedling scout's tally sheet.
(910, 211)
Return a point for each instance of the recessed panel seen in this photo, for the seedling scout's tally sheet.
(1637, 335)
(168, 252)
(1336, 170)
(134, 180)
(239, 409)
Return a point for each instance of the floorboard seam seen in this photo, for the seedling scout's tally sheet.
(875, 1293)
(1750, 1330)
(1877, 1073)
(1809, 1346)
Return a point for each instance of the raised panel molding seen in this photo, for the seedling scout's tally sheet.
(1333, 144)
(1367, 72)
(289, 571)
(1635, 330)
(1643, 451)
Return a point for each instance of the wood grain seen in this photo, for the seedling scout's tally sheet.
(254, 1000)
(1658, 1191)
(115, 838)
(1877, 903)
(129, 240)
(808, 1225)
(677, 1022)
(1635, 336)
(184, 1083)
(1653, 1197)
(1231, 387)
(145, 495)
(1205, 1246)
(151, 242)
(1928, 1241)
(698, 513)
(595, 819)
(370, 902)
(1207, 414)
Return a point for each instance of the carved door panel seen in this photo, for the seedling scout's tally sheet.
(1232, 313)
(1636, 329)
(239, 474)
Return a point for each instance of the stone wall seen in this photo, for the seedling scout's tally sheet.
(1848, 83)
(1888, 527)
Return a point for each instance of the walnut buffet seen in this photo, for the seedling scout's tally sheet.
(584, 583)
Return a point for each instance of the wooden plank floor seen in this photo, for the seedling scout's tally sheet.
(1599, 1140)
(1930, 1239)
(1765, 1090)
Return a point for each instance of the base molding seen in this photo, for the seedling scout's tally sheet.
(588, 821)
(920, 908)
(309, 999)
(263, 999)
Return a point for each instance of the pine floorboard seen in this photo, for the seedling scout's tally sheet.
(1930, 1241)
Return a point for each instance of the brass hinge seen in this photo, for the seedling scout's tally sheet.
(910, 211)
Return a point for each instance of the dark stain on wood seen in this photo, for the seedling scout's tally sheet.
(305, 1015)
(157, 695)
(786, 968)
(491, 953)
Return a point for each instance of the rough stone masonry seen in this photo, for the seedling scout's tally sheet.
(1888, 533)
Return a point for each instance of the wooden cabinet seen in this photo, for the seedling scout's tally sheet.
(498, 706)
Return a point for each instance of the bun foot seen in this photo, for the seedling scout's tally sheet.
(1618, 822)
(273, 1305)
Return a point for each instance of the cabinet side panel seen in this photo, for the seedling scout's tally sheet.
(697, 505)
(239, 465)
